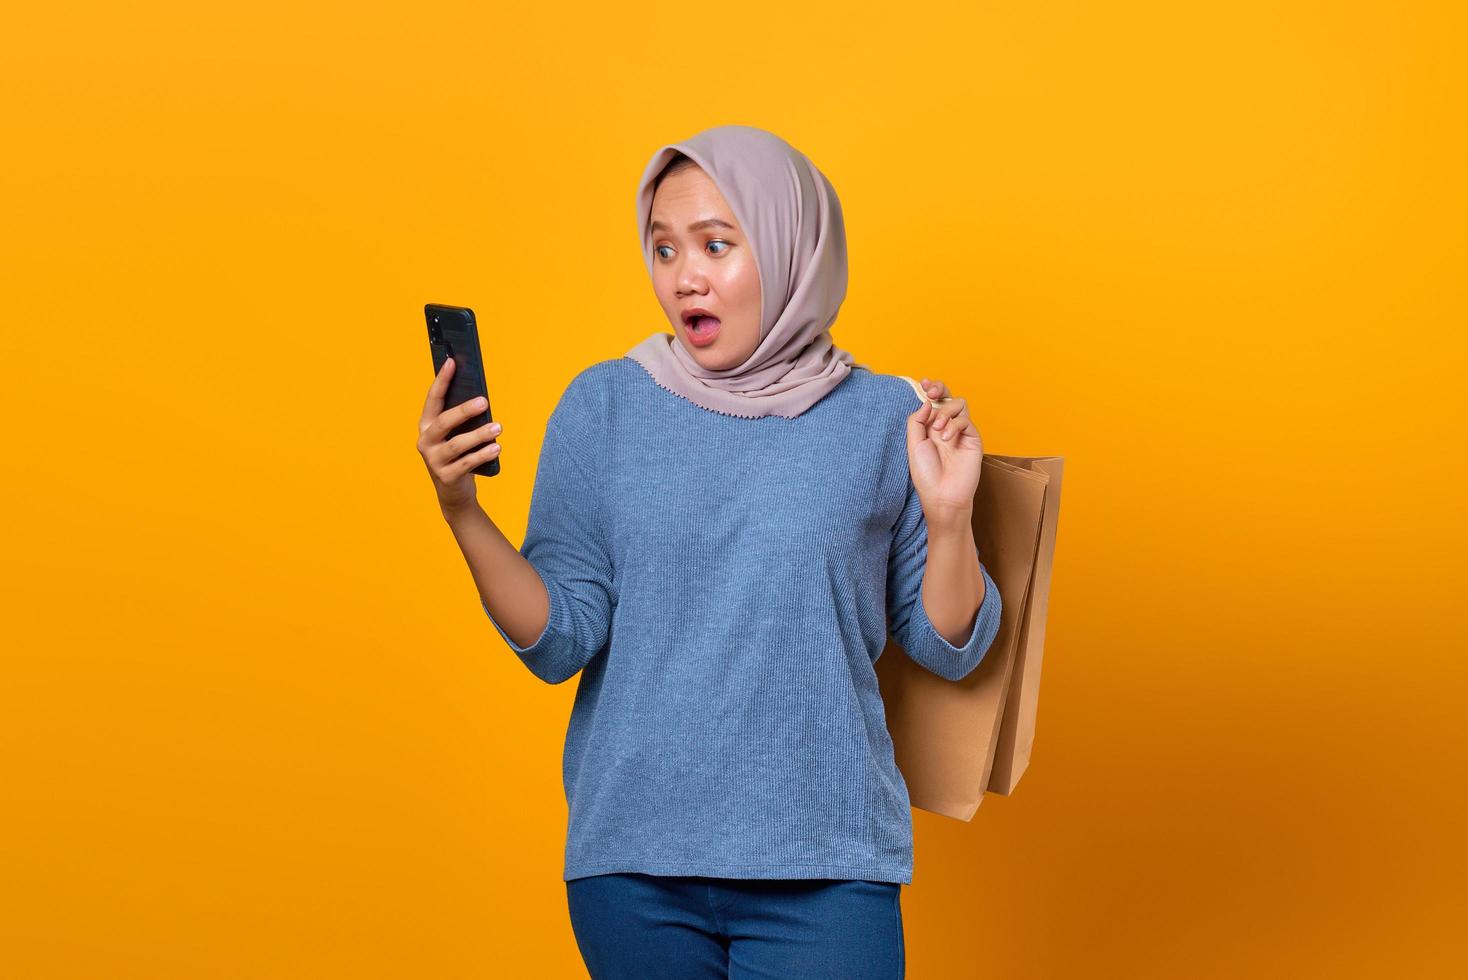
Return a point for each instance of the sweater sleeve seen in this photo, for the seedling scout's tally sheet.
(907, 617)
(566, 543)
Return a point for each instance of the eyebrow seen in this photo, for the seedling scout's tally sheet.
(705, 223)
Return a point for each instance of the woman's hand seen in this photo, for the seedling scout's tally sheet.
(944, 454)
(450, 461)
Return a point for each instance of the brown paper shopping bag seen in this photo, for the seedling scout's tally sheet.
(1017, 731)
(954, 740)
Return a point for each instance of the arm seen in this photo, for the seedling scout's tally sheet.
(509, 586)
(930, 582)
(953, 580)
(552, 600)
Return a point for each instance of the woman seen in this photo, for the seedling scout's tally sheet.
(723, 529)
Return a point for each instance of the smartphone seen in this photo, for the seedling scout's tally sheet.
(452, 333)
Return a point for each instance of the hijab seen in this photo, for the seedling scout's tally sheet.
(792, 217)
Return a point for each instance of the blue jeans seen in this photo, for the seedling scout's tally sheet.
(657, 927)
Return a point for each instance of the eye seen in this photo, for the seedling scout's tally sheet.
(720, 241)
(660, 251)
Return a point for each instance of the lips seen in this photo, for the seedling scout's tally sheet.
(702, 328)
(693, 313)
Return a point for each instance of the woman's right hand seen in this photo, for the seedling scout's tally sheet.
(451, 461)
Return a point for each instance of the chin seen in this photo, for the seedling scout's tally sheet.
(716, 357)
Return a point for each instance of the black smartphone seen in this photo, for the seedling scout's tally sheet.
(452, 333)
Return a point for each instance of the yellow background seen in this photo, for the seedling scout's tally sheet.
(255, 724)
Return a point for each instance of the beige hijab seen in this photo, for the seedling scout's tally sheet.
(792, 216)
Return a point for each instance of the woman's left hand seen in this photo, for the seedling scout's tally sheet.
(944, 453)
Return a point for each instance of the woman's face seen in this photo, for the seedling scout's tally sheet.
(702, 260)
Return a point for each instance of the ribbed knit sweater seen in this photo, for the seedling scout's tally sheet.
(725, 586)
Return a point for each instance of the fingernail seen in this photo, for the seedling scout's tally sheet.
(479, 403)
(495, 427)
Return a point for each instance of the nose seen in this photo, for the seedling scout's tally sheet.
(691, 277)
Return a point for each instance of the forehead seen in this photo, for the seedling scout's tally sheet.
(689, 196)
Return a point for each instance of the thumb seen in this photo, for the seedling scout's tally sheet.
(917, 424)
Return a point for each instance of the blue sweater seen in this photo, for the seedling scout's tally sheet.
(725, 586)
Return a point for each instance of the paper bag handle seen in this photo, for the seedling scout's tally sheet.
(918, 388)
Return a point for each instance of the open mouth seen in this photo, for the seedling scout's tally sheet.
(702, 326)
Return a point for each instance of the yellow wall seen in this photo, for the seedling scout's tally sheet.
(253, 723)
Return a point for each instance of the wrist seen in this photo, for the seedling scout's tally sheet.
(460, 512)
(949, 522)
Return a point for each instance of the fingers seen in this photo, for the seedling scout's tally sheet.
(952, 411)
(450, 419)
(917, 423)
(952, 427)
(949, 414)
(433, 405)
(937, 392)
(463, 443)
(938, 424)
(469, 461)
(449, 460)
(432, 436)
